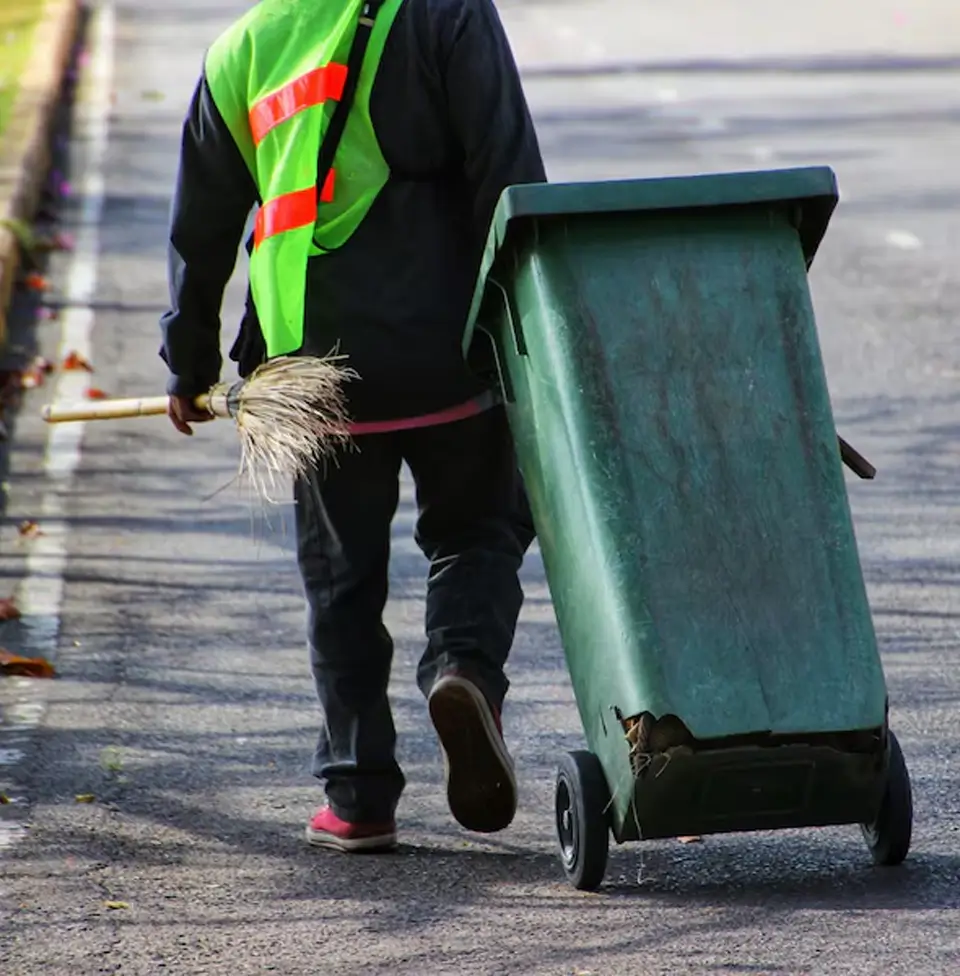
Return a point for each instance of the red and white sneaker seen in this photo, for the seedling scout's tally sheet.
(326, 829)
(481, 785)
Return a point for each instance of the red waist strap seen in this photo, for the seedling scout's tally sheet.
(460, 412)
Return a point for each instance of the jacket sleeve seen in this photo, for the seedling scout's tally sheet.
(213, 198)
(488, 108)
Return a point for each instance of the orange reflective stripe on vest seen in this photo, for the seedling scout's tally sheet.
(304, 92)
(291, 211)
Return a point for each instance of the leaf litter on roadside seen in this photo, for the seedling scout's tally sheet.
(74, 361)
(36, 282)
(31, 376)
(34, 375)
(25, 667)
(29, 529)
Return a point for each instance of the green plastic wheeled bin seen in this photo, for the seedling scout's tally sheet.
(656, 348)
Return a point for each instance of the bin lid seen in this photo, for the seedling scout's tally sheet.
(813, 186)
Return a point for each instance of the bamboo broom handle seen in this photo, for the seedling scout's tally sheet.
(119, 409)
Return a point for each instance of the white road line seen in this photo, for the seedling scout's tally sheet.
(904, 240)
(40, 594)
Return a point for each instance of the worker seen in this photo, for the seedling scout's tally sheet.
(375, 252)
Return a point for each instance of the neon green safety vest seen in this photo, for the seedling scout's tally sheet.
(274, 76)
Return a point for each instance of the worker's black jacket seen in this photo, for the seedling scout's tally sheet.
(454, 127)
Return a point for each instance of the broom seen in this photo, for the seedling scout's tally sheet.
(290, 414)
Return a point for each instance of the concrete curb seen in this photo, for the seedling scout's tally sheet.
(24, 166)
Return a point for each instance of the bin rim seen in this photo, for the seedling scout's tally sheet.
(664, 194)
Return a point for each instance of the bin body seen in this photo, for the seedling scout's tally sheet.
(657, 348)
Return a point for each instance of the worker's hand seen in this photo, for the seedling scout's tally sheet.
(183, 412)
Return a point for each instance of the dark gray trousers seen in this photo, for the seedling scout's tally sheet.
(474, 528)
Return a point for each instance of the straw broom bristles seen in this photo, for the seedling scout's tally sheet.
(290, 415)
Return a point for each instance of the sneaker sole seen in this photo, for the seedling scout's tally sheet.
(481, 785)
(355, 845)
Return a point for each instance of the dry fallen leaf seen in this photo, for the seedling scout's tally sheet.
(117, 905)
(36, 282)
(73, 360)
(4, 799)
(31, 378)
(85, 798)
(9, 610)
(25, 667)
(692, 839)
(94, 393)
(30, 529)
(34, 374)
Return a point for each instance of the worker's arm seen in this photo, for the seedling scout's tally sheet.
(488, 108)
(213, 198)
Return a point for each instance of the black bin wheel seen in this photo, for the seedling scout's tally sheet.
(888, 837)
(582, 801)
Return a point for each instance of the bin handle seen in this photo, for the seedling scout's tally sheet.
(518, 339)
(506, 387)
(855, 461)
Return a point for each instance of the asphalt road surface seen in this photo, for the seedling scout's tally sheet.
(172, 607)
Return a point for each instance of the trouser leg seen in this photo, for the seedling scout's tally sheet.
(343, 516)
(474, 527)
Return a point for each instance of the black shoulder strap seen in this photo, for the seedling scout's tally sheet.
(338, 121)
